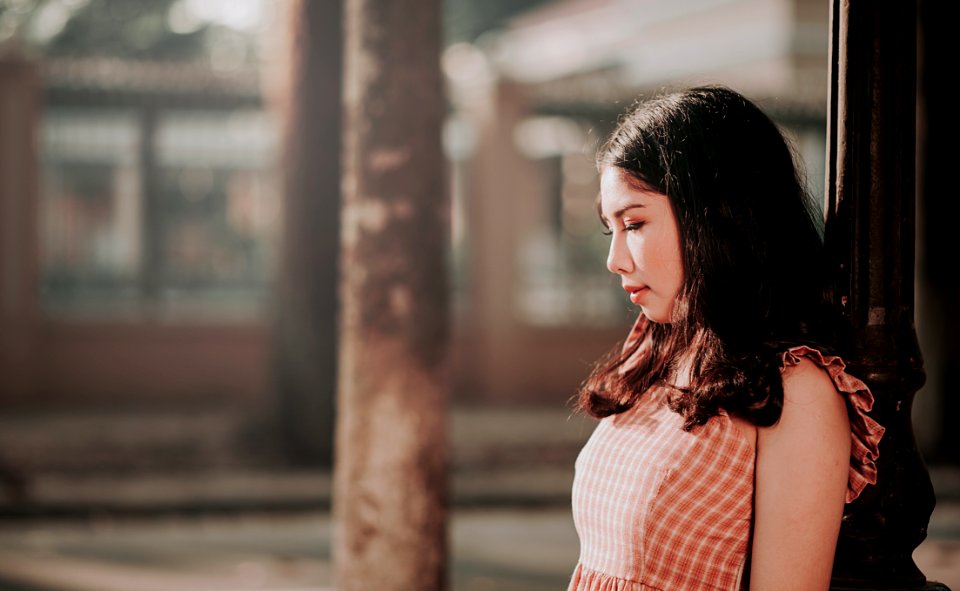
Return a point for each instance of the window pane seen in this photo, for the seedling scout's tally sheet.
(196, 239)
(90, 208)
(218, 209)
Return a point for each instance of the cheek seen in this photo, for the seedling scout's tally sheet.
(668, 261)
(664, 250)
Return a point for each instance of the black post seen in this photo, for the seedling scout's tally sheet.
(870, 234)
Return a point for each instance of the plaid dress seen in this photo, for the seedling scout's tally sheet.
(661, 509)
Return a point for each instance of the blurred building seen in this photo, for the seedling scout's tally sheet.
(139, 223)
(140, 207)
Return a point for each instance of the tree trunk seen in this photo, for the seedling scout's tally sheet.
(390, 483)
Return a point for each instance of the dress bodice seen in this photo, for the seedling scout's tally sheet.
(660, 508)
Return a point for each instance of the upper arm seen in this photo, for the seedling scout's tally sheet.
(803, 464)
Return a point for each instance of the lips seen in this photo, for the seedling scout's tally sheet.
(636, 292)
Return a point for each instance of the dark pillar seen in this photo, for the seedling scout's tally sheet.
(20, 105)
(390, 482)
(305, 351)
(870, 234)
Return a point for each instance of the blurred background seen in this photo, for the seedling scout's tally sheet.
(157, 427)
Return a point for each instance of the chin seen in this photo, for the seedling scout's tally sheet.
(655, 316)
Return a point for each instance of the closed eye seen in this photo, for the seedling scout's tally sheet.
(632, 227)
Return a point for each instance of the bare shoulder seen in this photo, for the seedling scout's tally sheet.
(808, 383)
(811, 403)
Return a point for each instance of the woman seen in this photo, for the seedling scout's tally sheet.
(730, 435)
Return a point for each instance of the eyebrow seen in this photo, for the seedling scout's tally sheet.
(619, 212)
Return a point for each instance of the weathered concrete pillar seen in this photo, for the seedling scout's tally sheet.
(390, 481)
(305, 336)
(870, 234)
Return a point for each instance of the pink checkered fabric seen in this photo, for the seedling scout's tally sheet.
(658, 508)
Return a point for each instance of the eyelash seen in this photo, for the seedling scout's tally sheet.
(628, 228)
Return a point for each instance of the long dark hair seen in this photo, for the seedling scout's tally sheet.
(753, 261)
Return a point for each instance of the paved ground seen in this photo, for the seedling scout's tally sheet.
(529, 550)
(231, 529)
(491, 550)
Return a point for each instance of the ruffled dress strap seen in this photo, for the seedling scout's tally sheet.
(864, 431)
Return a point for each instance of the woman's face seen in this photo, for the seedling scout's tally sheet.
(644, 243)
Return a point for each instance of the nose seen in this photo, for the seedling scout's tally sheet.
(618, 258)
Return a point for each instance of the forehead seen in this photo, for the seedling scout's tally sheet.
(619, 190)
